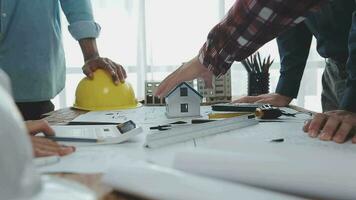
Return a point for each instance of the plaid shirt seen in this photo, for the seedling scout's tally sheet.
(248, 25)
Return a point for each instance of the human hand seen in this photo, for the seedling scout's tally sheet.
(274, 99)
(187, 72)
(334, 125)
(116, 71)
(39, 126)
(42, 146)
(45, 147)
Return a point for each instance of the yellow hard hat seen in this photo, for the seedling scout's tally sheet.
(100, 93)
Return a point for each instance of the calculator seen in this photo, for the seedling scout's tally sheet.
(103, 134)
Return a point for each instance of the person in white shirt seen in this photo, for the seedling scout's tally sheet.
(40, 146)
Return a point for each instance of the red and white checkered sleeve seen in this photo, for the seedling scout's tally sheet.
(248, 25)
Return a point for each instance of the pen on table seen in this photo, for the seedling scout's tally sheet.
(200, 121)
(171, 125)
(259, 62)
(71, 139)
(43, 161)
(92, 123)
(278, 140)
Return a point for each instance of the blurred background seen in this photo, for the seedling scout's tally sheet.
(151, 38)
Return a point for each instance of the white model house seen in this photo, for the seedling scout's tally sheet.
(183, 101)
(150, 89)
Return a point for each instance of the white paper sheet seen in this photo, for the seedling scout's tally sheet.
(144, 115)
(55, 188)
(292, 134)
(313, 172)
(97, 159)
(155, 182)
(106, 116)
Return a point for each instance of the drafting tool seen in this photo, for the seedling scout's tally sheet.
(200, 121)
(92, 123)
(268, 112)
(278, 140)
(71, 139)
(174, 124)
(236, 107)
(226, 115)
(186, 132)
(178, 122)
(161, 127)
(254, 64)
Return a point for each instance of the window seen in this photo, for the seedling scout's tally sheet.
(184, 107)
(183, 91)
(141, 40)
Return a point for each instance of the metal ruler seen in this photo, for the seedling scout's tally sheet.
(182, 133)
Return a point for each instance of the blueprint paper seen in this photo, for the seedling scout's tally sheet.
(156, 182)
(292, 134)
(319, 174)
(98, 159)
(154, 115)
(91, 158)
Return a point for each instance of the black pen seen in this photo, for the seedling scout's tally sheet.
(92, 123)
(278, 140)
(201, 121)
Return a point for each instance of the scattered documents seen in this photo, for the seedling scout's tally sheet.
(295, 170)
(156, 182)
(102, 116)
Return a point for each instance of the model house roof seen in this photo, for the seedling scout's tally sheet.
(186, 84)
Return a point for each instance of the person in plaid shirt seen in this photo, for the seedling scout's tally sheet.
(250, 24)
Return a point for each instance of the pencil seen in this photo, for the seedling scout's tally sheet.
(247, 67)
(259, 62)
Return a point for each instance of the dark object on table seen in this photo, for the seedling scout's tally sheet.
(201, 121)
(236, 107)
(178, 122)
(92, 123)
(161, 127)
(268, 112)
(278, 140)
(258, 74)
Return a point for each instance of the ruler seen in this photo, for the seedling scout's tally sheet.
(222, 115)
(186, 132)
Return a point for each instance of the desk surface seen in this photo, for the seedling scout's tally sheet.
(92, 181)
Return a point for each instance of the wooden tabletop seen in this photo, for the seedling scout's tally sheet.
(92, 181)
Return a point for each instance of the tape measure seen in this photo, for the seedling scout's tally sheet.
(268, 112)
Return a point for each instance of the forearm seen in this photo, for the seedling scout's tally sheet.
(293, 47)
(89, 48)
(79, 14)
(247, 26)
(349, 99)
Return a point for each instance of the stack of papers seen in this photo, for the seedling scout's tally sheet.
(155, 182)
(291, 169)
